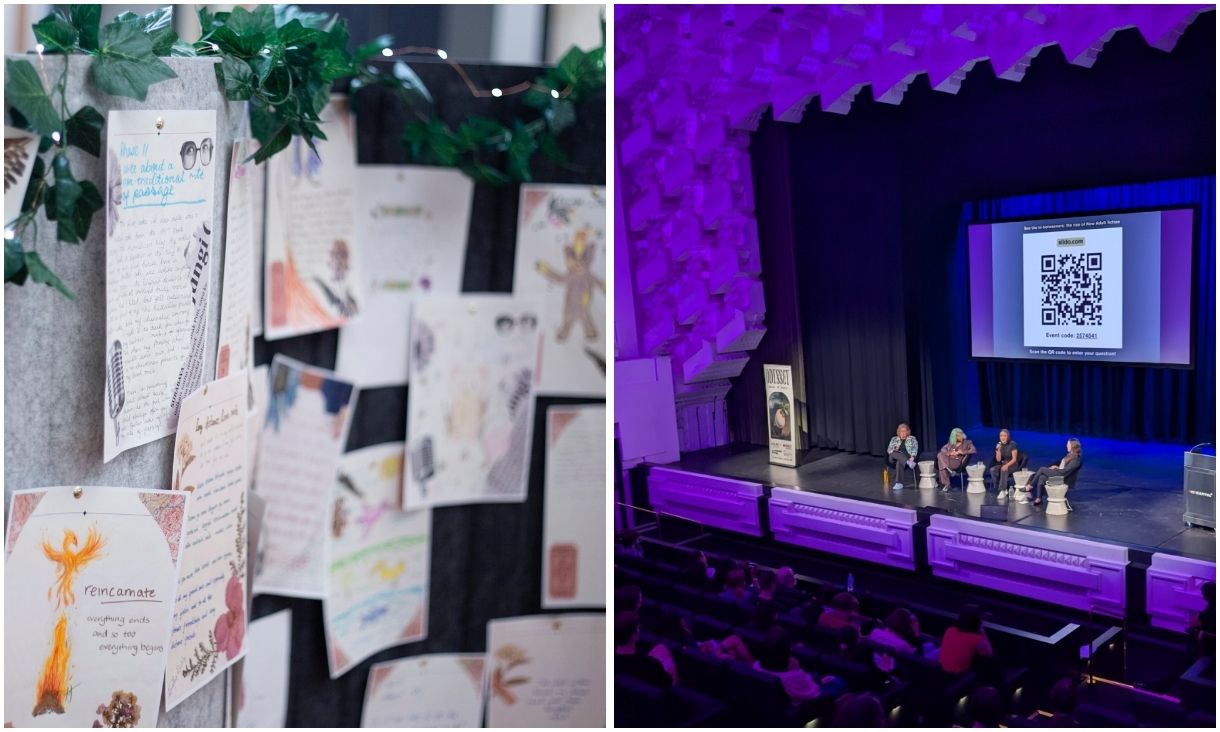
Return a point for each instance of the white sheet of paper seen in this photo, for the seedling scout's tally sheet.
(258, 221)
(308, 414)
(88, 603)
(574, 507)
(437, 690)
(262, 698)
(412, 223)
(547, 671)
(20, 149)
(235, 345)
(210, 610)
(471, 412)
(561, 255)
(256, 416)
(312, 281)
(377, 560)
(158, 268)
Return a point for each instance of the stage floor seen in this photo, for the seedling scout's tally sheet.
(1126, 495)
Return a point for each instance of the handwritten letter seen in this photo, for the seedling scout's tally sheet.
(437, 690)
(547, 671)
(574, 513)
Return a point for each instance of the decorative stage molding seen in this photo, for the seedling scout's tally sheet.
(1063, 570)
(646, 420)
(1172, 587)
(720, 502)
(858, 529)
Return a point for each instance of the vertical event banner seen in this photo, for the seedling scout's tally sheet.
(159, 189)
(781, 413)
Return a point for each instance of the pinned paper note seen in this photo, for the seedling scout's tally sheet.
(377, 560)
(89, 583)
(312, 274)
(20, 150)
(561, 257)
(235, 344)
(547, 671)
(210, 610)
(159, 189)
(435, 690)
(260, 690)
(412, 224)
(574, 507)
(308, 413)
(471, 412)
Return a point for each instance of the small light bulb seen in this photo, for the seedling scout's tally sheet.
(497, 93)
(9, 233)
(39, 47)
(555, 93)
(442, 54)
(386, 52)
(55, 137)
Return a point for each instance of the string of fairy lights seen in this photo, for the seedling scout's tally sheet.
(474, 89)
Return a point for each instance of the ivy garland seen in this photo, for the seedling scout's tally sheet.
(284, 62)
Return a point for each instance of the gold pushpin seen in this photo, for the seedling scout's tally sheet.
(160, 123)
(77, 492)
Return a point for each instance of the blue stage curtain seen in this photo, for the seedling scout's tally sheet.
(1154, 404)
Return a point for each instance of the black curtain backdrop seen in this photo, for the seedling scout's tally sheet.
(881, 197)
(486, 559)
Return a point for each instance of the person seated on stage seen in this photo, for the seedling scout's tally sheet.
(953, 456)
(964, 642)
(776, 659)
(844, 610)
(628, 597)
(900, 632)
(1005, 462)
(765, 580)
(1202, 628)
(902, 450)
(1065, 469)
(628, 657)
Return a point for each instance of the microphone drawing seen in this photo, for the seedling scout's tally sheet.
(114, 384)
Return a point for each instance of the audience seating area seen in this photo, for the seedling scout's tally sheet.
(682, 611)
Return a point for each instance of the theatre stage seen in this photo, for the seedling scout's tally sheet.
(1128, 493)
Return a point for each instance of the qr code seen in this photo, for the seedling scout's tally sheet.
(1071, 289)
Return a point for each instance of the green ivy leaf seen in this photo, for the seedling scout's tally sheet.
(550, 149)
(274, 144)
(125, 65)
(23, 91)
(365, 51)
(86, 18)
(36, 176)
(14, 262)
(520, 149)
(478, 131)
(85, 130)
(284, 14)
(571, 67)
(56, 34)
(236, 78)
(89, 203)
(182, 49)
(66, 194)
(410, 81)
(39, 272)
(560, 115)
(487, 174)
(159, 25)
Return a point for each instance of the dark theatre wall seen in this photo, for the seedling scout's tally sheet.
(876, 215)
(486, 559)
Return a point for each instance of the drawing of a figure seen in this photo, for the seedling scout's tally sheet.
(579, 281)
(52, 689)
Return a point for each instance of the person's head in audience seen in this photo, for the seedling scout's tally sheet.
(628, 597)
(812, 610)
(766, 583)
(776, 653)
(849, 639)
(1063, 696)
(735, 583)
(858, 710)
(764, 615)
(785, 578)
(674, 626)
(985, 707)
(843, 610)
(970, 619)
(626, 631)
(630, 540)
(695, 574)
(903, 623)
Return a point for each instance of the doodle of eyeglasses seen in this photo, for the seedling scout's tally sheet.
(190, 152)
(527, 323)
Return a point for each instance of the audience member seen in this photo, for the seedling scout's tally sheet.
(776, 659)
(1062, 703)
(900, 632)
(629, 543)
(785, 578)
(858, 710)
(764, 616)
(673, 626)
(735, 585)
(628, 597)
(1203, 626)
(964, 641)
(766, 584)
(844, 610)
(985, 707)
(732, 648)
(627, 656)
(695, 574)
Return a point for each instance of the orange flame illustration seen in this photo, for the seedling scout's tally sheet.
(53, 685)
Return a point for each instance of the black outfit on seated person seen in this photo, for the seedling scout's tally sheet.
(999, 476)
(1070, 466)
